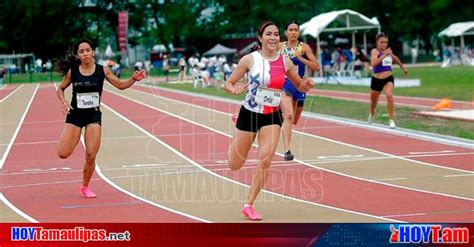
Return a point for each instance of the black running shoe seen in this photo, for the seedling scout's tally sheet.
(289, 156)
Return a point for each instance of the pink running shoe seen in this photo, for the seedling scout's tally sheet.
(234, 118)
(249, 212)
(87, 193)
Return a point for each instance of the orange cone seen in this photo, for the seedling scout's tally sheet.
(443, 104)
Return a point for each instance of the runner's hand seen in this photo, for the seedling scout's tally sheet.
(66, 107)
(139, 75)
(239, 88)
(305, 85)
(405, 71)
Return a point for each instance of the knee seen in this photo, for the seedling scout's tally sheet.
(288, 117)
(235, 165)
(63, 154)
(90, 157)
(265, 163)
(389, 97)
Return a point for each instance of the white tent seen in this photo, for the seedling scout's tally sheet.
(247, 48)
(345, 20)
(219, 50)
(459, 29)
(108, 51)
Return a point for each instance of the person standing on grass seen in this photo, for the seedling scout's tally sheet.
(293, 100)
(260, 113)
(182, 68)
(381, 59)
(87, 79)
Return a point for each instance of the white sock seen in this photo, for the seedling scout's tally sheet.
(247, 205)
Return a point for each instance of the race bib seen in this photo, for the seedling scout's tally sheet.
(268, 97)
(387, 61)
(87, 100)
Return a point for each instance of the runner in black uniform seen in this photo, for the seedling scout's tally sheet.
(87, 79)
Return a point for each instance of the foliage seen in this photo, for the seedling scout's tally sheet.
(48, 27)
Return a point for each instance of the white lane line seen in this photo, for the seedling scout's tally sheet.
(302, 162)
(107, 180)
(7, 151)
(17, 210)
(312, 135)
(10, 94)
(419, 135)
(56, 141)
(430, 213)
(389, 179)
(99, 172)
(338, 157)
(218, 175)
(433, 152)
(458, 175)
(2, 87)
(337, 161)
(143, 165)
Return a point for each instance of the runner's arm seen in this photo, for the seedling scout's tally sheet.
(231, 86)
(60, 92)
(123, 84)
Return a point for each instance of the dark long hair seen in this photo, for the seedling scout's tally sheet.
(262, 27)
(63, 65)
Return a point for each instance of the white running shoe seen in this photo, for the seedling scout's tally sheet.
(370, 119)
(391, 124)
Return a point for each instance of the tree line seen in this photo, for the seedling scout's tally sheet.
(49, 27)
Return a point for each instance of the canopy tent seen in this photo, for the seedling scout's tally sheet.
(108, 52)
(343, 20)
(248, 48)
(458, 29)
(219, 50)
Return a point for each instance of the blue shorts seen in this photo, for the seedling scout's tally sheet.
(291, 90)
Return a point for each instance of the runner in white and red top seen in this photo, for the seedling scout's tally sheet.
(260, 112)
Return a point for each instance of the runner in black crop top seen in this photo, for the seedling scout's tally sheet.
(87, 79)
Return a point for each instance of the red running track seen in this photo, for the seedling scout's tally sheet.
(55, 197)
(296, 180)
(7, 90)
(361, 137)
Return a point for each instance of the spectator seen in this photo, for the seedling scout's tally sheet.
(2, 74)
(182, 68)
(414, 54)
(166, 67)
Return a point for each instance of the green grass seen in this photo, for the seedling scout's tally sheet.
(32, 78)
(456, 83)
(358, 110)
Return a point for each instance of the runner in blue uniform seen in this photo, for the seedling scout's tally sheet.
(293, 100)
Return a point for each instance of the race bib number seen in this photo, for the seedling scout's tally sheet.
(87, 100)
(268, 97)
(387, 61)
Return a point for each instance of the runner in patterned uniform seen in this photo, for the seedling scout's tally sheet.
(87, 79)
(381, 59)
(260, 113)
(293, 100)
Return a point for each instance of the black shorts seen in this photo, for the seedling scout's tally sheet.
(252, 122)
(378, 84)
(82, 118)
